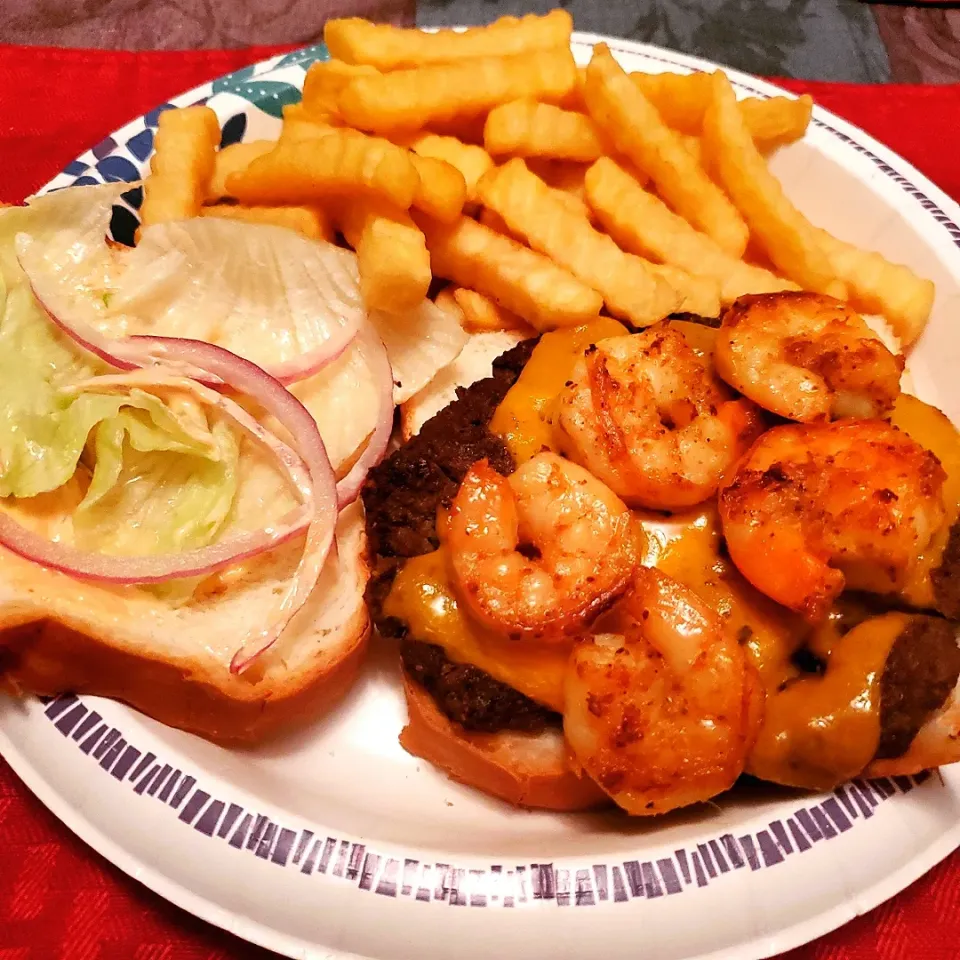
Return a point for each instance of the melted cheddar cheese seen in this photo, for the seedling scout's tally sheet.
(523, 418)
(423, 597)
(933, 430)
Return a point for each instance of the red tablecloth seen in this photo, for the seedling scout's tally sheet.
(61, 901)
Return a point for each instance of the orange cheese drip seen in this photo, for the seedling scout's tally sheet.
(423, 597)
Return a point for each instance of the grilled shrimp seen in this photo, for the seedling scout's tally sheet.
(663, 710)
(807, 357)
(814, 508)
(646, 414)
(540, 552)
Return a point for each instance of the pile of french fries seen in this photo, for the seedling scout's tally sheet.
(542, 192)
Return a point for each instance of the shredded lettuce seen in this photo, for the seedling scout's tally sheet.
(159, 476)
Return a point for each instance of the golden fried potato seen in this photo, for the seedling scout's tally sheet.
(878, 286)
(494, 221)
(413, 99)
(310, 221)
(778, 121)
(300, 125)
(390, 48)
(574, 99)
(682, 100)
(481, 314)
(238, 156)
(465, 129)
(643, 224)
(561, 175)
(530, 209)
(628, 118)
(344, 161)
(324, 81)
(692, 146)
(526, 283)
(182, 165)
(525, 128)
(442, 191)
(698, 294)
(782, 231)
(391, 254)
(472, 161)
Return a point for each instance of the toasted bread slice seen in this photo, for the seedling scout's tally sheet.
(527, 770)
(172, 662)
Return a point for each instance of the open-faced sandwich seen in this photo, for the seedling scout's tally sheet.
(179, 529)
(634, 566)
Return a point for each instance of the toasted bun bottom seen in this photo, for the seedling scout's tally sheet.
(524, 769)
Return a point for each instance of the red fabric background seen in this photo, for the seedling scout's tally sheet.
(61, 901)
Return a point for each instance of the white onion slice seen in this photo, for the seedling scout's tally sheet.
(375, 356)
(289, 304)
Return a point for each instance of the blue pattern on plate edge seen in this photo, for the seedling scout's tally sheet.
(499, 885)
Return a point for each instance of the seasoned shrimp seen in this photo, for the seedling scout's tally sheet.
(540, 552)
(807, 357)
(663, 712)
(646, 414)
(813, 508)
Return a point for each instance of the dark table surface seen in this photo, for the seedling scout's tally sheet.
(845, 40)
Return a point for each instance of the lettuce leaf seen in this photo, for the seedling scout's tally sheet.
(161, 477)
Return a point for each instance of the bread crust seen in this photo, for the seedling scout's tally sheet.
(49, 648)
(47, 658)
(523, 769)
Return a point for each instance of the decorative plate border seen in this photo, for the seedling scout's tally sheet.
(499, 885)
(355, 863)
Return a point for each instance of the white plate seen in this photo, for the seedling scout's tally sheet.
(336, 843)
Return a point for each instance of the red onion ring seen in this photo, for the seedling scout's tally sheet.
(374, 355)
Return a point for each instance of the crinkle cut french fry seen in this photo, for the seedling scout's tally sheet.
(481, 314)
(778, 121)
(472, 161)
(876, 285)
(643, 224)
(782, 231)
(629, 119)
(698, 294)
(324, 81)
(390, 48)
(525, 128)
(526, 283)
(413, 99)
(392, 255)
(182, 164)
(530, 209)
(442, 191)
(344, 161)
(682, 100)
(237, 156)
(310, 221)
